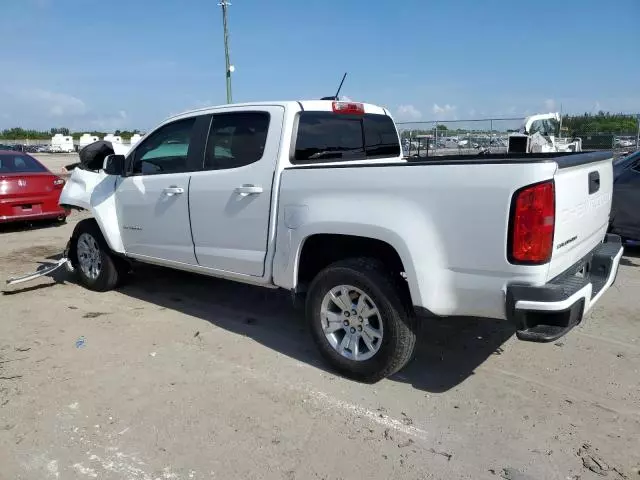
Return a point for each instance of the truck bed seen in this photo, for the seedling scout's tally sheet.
(452, 220)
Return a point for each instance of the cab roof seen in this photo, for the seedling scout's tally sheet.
(301, 105)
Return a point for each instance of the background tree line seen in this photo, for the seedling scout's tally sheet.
(18, 133)
(602, 122)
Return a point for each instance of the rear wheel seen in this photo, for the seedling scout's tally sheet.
(359, 321)
(94, 263)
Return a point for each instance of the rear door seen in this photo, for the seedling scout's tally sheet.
(152, 201)
(583, 186)
(230, 201)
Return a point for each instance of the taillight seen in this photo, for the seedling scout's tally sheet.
(58, 182)
(349, 108)
(533, 215)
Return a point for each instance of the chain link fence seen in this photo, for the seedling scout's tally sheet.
(620, 133)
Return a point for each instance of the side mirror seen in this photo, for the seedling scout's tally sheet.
(114, 165)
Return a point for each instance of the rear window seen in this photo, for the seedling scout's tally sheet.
(19, 164)
(326, 136)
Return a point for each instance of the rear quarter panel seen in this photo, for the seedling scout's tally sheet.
(447, 222)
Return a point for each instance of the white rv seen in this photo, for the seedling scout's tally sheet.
(62, 143)
(113, 139)
(135, 138)
(87, 139)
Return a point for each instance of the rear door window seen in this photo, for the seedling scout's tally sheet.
(236, 139)
(325, 136)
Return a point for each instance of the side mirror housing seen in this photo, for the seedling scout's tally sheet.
(114, 165)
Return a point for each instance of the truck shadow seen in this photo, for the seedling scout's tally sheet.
(631, 257)
(449, 349)
(24, 226)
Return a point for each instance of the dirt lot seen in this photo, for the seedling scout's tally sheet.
(56, 161)
(179, 377)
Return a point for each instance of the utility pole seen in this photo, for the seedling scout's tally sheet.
(229, 68)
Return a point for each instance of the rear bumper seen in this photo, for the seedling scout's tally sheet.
(33, 217)
(30, 208)
(547, 312)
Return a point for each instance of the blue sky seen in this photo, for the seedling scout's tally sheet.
(89, 64)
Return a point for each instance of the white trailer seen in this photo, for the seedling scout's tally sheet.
(135, 138)
(113, 139)
(62, 143)
(87, 139)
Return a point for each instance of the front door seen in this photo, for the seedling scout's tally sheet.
(152, 201)
(231, 198)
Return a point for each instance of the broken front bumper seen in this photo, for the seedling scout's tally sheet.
(547, 312)
(64, 261)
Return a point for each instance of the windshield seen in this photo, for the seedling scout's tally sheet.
(546, 127)
(19, 164)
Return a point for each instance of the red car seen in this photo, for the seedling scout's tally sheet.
(28, 191)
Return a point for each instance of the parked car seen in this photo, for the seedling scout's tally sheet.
(314, 197)
(28, 191)
(625, 209)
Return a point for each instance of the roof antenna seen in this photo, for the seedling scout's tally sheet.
(335, 98)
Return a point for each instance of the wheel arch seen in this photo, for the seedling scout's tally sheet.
(319, 249)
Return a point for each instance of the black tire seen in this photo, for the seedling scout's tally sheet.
(111, 269)
(399, 339)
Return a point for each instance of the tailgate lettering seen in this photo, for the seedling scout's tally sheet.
(566, 242)
(579, 210)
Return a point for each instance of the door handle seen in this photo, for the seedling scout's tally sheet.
(248, 189)
(173, 190)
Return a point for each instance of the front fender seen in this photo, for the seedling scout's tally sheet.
(95, 192)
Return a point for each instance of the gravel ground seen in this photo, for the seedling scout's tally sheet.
(175, 376)
(56, 161)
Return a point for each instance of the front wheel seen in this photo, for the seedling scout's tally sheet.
(359, 321)
(96, 267)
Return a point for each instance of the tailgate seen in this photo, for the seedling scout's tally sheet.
(583, 185)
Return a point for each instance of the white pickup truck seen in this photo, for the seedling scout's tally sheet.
(316, 198)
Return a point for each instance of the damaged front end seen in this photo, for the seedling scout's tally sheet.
(87, 188)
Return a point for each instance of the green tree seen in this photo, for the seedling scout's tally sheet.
(602, 122)
(61, 130)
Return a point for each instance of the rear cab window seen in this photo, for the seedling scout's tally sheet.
(327, 136)
(20, 164)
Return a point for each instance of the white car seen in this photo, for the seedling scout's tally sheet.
(315, 197)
